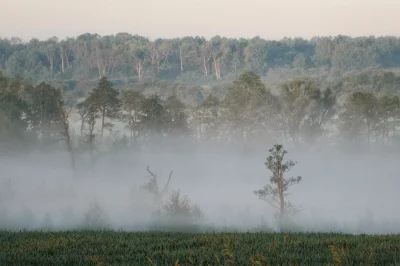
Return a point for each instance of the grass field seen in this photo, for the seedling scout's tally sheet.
(146, 248)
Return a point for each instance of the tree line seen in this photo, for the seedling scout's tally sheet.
(302, 113)
(132, 58)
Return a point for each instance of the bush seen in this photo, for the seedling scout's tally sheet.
(179, 214)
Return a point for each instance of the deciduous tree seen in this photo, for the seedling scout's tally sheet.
(360, 115)
(44, 114)
(247, 106)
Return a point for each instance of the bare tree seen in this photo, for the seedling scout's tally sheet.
(152, 186)
(276, 193)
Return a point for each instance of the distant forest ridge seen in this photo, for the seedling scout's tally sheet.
(126, 59)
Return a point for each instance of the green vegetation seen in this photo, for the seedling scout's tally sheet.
(128, 58)
(156, 248)
(302, 112)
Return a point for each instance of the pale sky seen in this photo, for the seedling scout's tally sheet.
(175, 18)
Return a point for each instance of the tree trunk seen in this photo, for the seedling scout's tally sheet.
(66, 58)
(394, 129)
(383, 135)
(82, 125)
(104, 70)
(102, 124)
(51, 66)
(132, 122)
(99, 69)
(62, 60)
(217, 68)
(132, 134)
(91, 125)
(204, 66)
(180, 56)
(91, 149)
(281, 198)
(368, 134)
(387, 130)
(50, 58)
(138, 66)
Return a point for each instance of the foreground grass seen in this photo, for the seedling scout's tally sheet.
(126, 248)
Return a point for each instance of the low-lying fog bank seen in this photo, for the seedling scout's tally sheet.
(347, 193)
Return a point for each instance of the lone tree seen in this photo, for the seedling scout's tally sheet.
(276, 193)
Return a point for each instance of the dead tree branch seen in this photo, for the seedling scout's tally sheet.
(153, 188)
(167, 184)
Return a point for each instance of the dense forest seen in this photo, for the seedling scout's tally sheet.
(127, 59)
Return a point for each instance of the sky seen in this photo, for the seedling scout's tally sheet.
(268, 19)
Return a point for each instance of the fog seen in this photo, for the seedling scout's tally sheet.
(339, 192)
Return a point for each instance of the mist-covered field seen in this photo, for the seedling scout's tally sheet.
(339, 192)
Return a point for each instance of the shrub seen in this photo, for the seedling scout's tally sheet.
(179, 214)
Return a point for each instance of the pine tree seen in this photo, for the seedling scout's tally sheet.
(276, 193)
(104, 99)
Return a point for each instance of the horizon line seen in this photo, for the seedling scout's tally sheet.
(149, 37)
